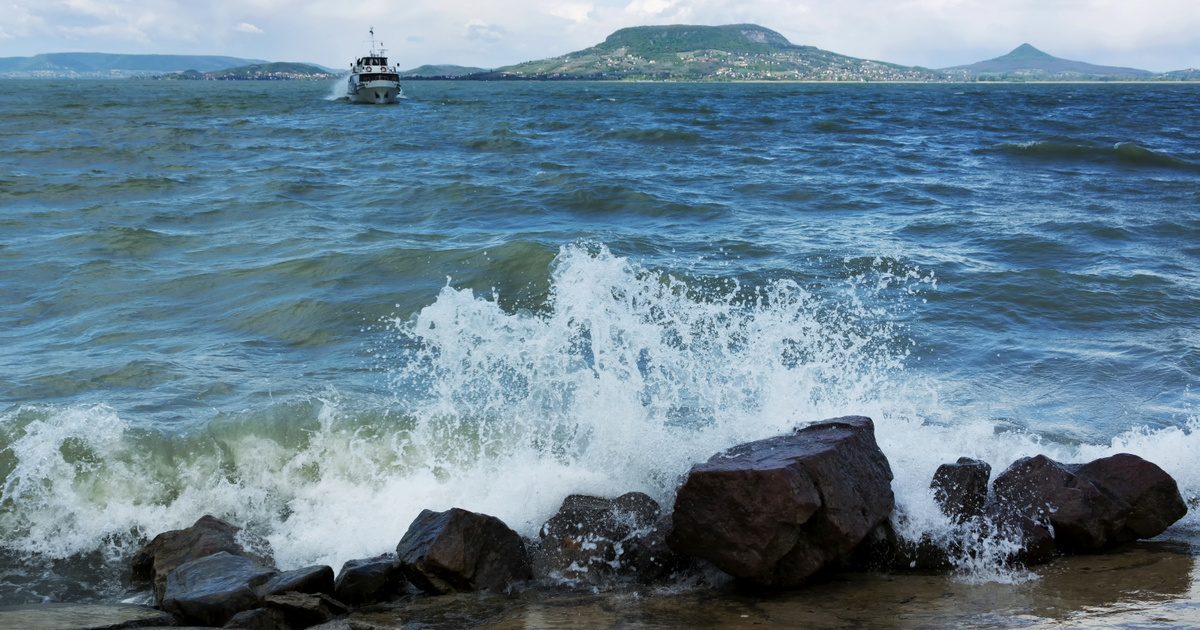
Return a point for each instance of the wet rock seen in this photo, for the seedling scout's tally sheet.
(209, 535)
(885, 550)
(961, 488)
(458, 550)
(369, 580)
(776, 511)
(211, 590)
(648, 557)
(593, 539)
(1024, 540)
(82, 616)
(302, 610)
(258, 619)
(1091, 506)
(314, 579)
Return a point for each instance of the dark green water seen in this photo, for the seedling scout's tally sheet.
(251, 300)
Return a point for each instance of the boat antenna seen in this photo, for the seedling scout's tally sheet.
(372, 31)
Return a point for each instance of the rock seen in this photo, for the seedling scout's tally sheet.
(1091, 506)
(369, 580)
(82, 616)
(1028, 541)
(1152, 495)
(649, 558)
(592, 539)
(302, 610)
(314, 579)
(457, 550)
(961, 488)
(209, 535)
(776, 511)
(211, 590)
(259, 619)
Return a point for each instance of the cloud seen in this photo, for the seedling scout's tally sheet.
(482, 31)
(571, 11)
(1155, 34)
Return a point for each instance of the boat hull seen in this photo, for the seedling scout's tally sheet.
(378, 92)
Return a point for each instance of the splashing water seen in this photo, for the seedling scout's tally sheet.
(625, 378)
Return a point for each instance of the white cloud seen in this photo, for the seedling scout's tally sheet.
(484, 32)
(571, 11)
(246, 27)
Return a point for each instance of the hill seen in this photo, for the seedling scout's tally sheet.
(104, 65)
(1028, 63)
(443, 71)
(257, 72)
(736, 52)
(1191, 74)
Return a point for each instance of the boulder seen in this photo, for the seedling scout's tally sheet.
(457, 550)
(209, 535)
(775, 511)
(592, 539)
(302, 610)
(314, 579)
(1091, 506)
(258, 619)
(369, 580)
(210, 590)
(961, 488)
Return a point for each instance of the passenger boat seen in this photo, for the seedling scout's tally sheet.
(372, 80)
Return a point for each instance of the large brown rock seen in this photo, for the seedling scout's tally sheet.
(1091, 506)
(209, 535)
(776, 511)
(209, 591)
(457, 550)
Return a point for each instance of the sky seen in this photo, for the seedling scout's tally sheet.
(1157, 35)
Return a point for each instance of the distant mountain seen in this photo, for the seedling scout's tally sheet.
(1191, 74)
(736, 52)
(1028, 63)
(257, 72)
(446, 71)
(106, 64)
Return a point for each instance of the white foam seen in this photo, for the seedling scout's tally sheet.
(625, 379)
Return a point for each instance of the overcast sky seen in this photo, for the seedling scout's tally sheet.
(1152, 34)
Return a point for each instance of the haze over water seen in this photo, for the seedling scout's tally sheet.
(317, 319)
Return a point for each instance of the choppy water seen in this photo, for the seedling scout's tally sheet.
(317, 318)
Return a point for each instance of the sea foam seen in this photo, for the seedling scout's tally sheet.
(623, 379)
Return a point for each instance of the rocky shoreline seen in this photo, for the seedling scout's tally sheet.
(768, 518)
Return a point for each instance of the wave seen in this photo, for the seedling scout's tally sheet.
(655, 135)
(621, 380)
(1123, 153)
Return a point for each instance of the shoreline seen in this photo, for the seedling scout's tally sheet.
(1153, 582)
(1143, 583)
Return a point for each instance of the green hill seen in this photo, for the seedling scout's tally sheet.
(440, 71)
(735, 52)
(280, 71)
(1028, 63)
(106, 64)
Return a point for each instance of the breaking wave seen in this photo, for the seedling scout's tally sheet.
(619, 382)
